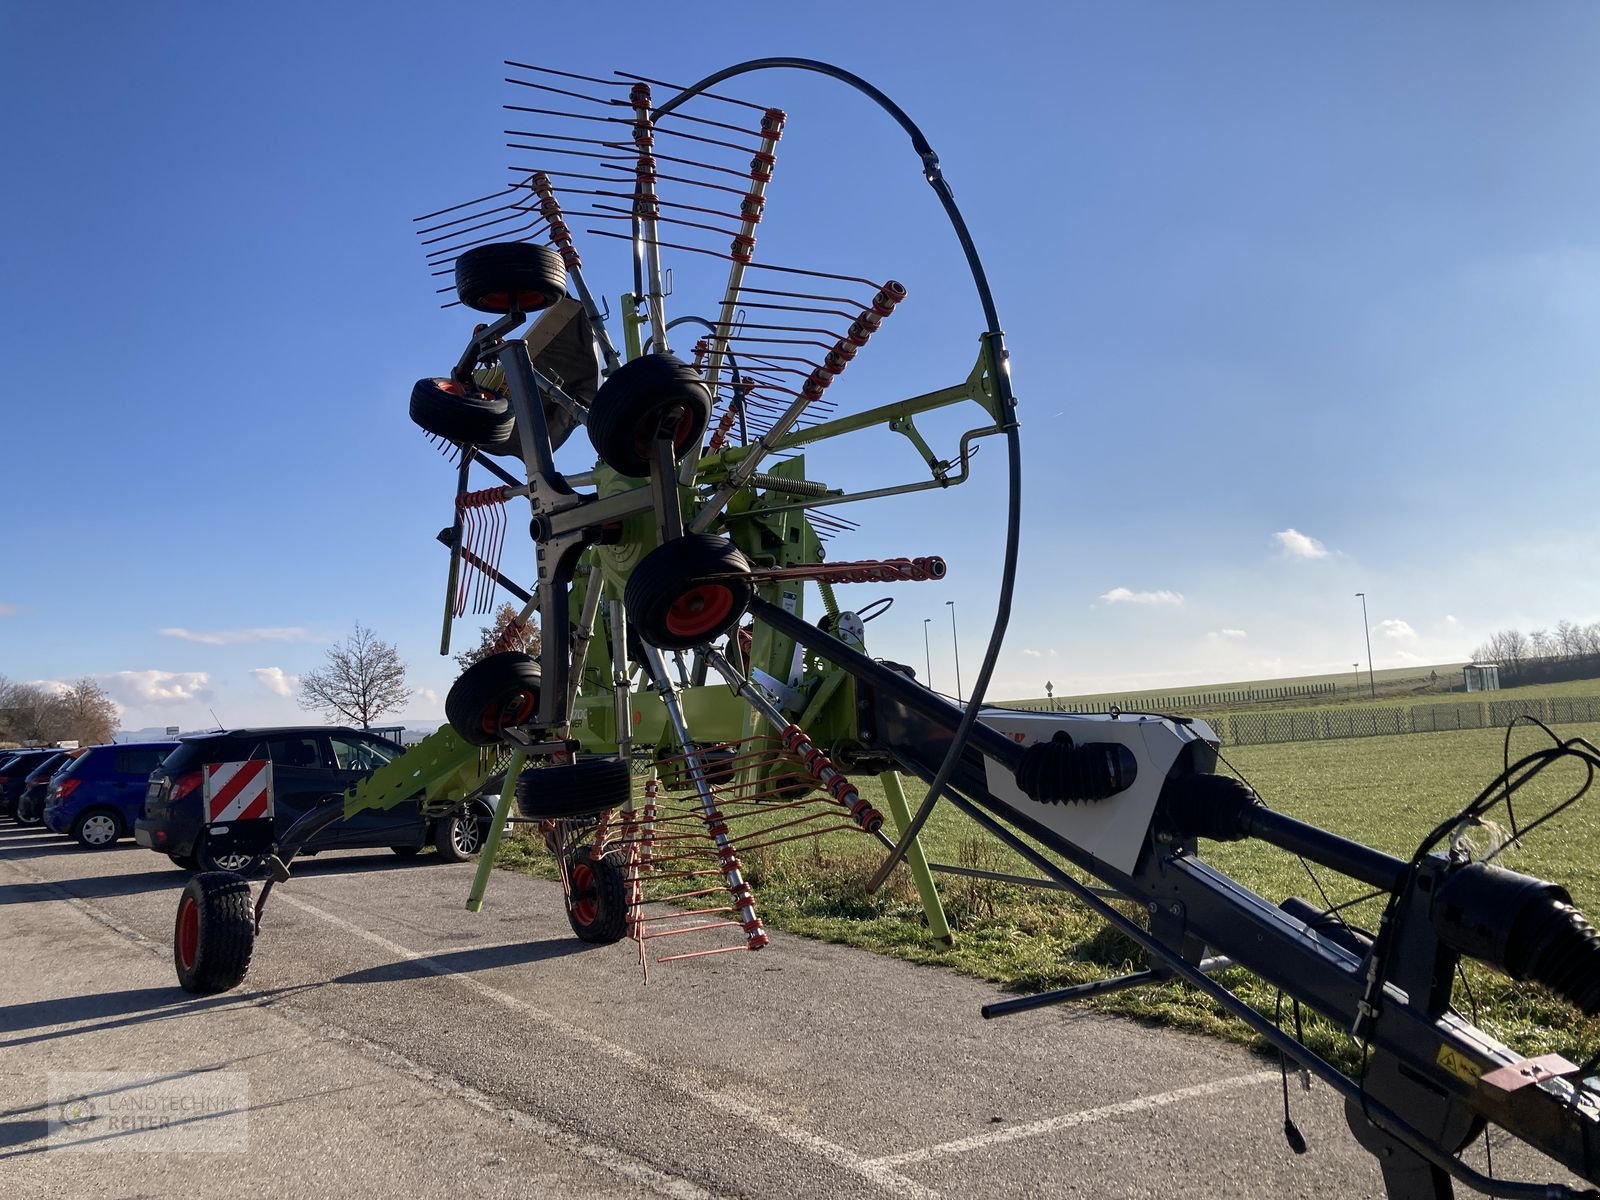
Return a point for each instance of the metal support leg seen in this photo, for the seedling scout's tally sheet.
(491, 844)
(916, 860)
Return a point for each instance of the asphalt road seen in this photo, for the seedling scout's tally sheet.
(396, 1045)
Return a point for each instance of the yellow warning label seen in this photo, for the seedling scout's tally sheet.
(1458, 1064)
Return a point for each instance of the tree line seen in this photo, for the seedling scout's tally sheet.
(1568, 641)
(45, 714)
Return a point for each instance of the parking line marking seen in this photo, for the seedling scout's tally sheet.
(1088, 1116)
(878, 1171)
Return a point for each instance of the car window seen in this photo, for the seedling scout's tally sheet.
(138, 761)
(358, 754)
(45, 766)
(299, 750)
(73, 765)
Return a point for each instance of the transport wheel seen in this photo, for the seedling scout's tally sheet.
(597, 903)
(215, 933)
(460, 412)
(504, 275)
(499, 691)
(97, 828)
(653, 392)
(575, 789)
(687, 591)
(458, 838)
(230, 861)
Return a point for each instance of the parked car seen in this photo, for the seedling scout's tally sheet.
(97, 796)
(30, 801)
(14, 775)
(311, 765)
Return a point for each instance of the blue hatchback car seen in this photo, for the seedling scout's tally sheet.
(97, 796)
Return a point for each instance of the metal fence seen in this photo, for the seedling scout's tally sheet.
(1253, 729)
(1247, 729)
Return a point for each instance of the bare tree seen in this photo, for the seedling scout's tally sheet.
(364, 679)
(507, 633)
(1509, 648)
(1569, 639)
(34, 713)
(1541, 644)
(90, 715)
(1591, 638)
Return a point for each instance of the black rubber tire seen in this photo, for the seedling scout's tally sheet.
(502, 275)
(497, 691)
(631, 405)
(215, 933)
(671, 599)
(576, 789)
(228, 864)
(558, 421)
(89, 829)
(459, 837)
(406, 851)
(597, 908)
(460, 412)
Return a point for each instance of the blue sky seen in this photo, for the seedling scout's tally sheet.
(1300, 301)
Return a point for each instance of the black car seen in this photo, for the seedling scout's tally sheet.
(311, 766)
(14, 775)
(30, 801)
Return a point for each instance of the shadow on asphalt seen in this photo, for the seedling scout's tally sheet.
(115, 1010)
(460, 962)
(93, 888)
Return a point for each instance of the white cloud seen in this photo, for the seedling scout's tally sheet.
(1295, 544)
(428, 694)
(133, 688)
(1232, 635)
(51, 685)
(1398, 630)
(1122, 595)
(238, 637)
(1450, 620)
(275, 681)
(1033, 654)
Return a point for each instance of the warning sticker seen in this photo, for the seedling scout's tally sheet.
(1458, 1064)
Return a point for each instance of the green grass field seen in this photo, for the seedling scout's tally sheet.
(1387, 792)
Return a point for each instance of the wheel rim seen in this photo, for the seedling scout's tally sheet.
(188, 939)
(464, 836)
(701, 611)
(513, 710)
(584, 905)
(232, 862)
(681, 433)
(99, 829)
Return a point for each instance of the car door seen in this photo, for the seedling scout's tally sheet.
(357, 756)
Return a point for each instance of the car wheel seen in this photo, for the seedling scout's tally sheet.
(576, 789)
(653, 392)
(689, 590)
(97, 828)
(458, 838)
(407, 851)
(215, 933)
(229, 861)
(597, 896)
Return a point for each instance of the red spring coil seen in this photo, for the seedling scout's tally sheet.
(772, 122)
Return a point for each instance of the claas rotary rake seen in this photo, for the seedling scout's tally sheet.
(671, 598)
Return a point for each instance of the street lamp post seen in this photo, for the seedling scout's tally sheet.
(955, 642)
(1357, 667)
(1372, 687)
(927, 657)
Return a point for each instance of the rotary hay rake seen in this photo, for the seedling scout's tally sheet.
(701, 511)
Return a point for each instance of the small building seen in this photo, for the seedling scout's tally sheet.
(1482, 677)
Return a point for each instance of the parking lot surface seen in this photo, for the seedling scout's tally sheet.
(396, 1044)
